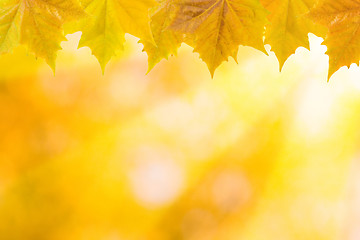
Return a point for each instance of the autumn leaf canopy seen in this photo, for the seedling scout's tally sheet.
(214, 28)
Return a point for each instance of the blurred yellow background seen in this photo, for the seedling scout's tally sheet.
(252, 154)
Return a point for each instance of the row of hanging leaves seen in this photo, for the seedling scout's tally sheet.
(214, 28)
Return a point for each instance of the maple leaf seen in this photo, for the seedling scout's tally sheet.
(289, 26)
(10, 19)
(216, 28)
(104, 30)
(167, 41)
(37, 24)
(343, 39)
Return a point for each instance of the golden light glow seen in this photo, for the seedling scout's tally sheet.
(251, 154)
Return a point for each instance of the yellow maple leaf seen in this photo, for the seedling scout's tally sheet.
(216, 28)
(37, 24)
(167, 41)
(342, 17)
(10, 19)
(289, 26)
(104, 30)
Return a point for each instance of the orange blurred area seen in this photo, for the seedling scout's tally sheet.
(252, 154)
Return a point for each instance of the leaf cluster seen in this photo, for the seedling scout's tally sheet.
(214, 28)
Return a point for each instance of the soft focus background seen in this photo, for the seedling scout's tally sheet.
(252, 154)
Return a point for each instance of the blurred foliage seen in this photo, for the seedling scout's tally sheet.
(252, 154)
